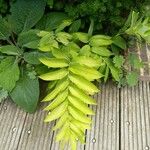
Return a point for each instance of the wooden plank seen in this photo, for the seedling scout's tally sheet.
(135, 117)
(104, 134)
(36, 134)
(11, 123)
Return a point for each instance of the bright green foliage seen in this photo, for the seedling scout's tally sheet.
(139, 27)
(70, 93)
(35, 41)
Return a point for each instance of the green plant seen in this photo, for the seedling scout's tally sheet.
(17, 66)
(70, 92)
(37, 44)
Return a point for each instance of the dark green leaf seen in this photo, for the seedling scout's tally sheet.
(4, 29)
(120, 42)
(32, 57)
(29, 39)
(25, 14)
(102, 51)
(9, 50)
(75, 26)
(51, 21)
(26, 93)
(9, 73)
(132, 78)
(3, 94)
(134, 61)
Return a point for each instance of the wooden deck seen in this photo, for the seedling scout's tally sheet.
(122, 121)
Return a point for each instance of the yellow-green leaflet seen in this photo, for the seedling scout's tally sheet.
(77, 131)
(54, 75)
(73, 142)
(57, 112)
(81, 125)
(61, 85)
(44, 33)
(84, 84)
(78, 115)
(75, 91)
(61, 121)
(47, 43)
(80, 105)
(91, 73)
(83, 37)
(52, 84)
(62, 132)
(54, 62)
(100, 40)
(63, 37)
(102, 51)
(87, 61)
(58, 100)
(85, 50)
(58, 53)
(101, 37)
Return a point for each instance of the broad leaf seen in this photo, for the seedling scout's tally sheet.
(29, 39)
(51, 21)
(4, 29)
(26, 93)
(10, 50)
(75, 26)
(3, 95)
(25, 14)
(32, 57)
(120, 42)
(9, 73)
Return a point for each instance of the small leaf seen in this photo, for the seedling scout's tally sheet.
(134, 61)
(83, 84)
(132, 78)
(10, 50)
(4, 29)
(75, 26)
(102, 51)
(32, 57)
(57, 112)
(29, 39)
(9, 73)
(54, 75)
(83, 37)
(63, 25)
(120, 42)
(118, 61)
(54, 62)
(87, 61)
(26, 93)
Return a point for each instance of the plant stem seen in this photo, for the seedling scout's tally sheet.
(90, 31)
